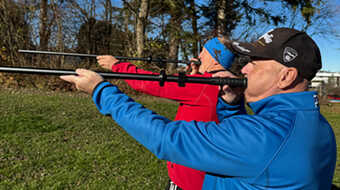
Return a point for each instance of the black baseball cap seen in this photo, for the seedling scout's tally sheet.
(287, 46)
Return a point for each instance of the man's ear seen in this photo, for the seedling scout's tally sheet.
(288, 77)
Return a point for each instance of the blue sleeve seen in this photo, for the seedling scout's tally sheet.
(225, 110)
(235, 147)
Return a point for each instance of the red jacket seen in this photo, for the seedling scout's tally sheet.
(197, 102)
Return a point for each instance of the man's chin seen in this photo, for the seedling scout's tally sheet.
(248, 98)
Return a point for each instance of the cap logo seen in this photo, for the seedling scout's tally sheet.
(240, 47)
(289, 54)
(268, 38)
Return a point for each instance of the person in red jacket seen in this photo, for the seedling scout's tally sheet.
(196, 101)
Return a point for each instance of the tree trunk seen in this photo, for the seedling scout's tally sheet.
(175, 30)
(93, 9)
(174, 41)
(140, 26)
(60, 43)
(60, 38)
(44, 33)
(6, 28)
(129, 41)
(221, 17)
(195, 49)
(108, 11)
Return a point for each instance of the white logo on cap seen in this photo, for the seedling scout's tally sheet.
(289, 54)
(240, 47)
(268, 38)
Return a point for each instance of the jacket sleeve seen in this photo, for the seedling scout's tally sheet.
(238, 146)
(170, 90)
(225, 110)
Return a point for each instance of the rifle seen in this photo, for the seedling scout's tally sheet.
(181, 79)
(147, 59)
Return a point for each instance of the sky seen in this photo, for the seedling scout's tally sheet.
(330, 53)
(329, 47)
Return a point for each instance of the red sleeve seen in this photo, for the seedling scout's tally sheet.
(170, 90)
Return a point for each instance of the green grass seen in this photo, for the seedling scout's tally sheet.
(60, 141)
(54, 140)
(332, 114)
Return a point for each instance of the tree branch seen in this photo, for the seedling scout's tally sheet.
(128, 5)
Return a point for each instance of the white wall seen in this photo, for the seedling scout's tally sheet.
(324, 77)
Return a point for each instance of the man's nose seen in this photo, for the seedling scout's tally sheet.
(245, 69)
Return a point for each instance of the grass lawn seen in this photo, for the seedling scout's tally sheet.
(54, 140)
(332, 114)
(47, 142)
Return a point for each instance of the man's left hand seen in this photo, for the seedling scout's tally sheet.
(231, 96)
(86, 80)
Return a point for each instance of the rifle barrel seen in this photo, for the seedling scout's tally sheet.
(56, 53)
(162, 77)
(149, 59)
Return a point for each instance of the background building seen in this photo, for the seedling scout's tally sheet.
(324, 80)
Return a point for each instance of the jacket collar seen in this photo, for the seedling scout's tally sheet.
(286, 101)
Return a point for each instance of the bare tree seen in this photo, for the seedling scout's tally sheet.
(315, 17)
(140, 26)
(108, 11)
(128, 37)
(60, 37)
(141, 14)
(44, 30)
(14, 31)
(194, 17)
(221, 17)
(176, 10)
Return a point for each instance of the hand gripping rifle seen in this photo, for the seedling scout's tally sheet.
(181, 79)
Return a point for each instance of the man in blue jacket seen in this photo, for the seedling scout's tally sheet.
(286, 144)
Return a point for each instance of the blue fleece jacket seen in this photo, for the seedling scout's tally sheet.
(287, 144)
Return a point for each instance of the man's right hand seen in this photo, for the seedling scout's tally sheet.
(107, 61)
